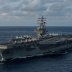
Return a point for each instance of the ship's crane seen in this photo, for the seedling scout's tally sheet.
(41, 29)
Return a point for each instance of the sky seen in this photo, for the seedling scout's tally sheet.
(26, 12)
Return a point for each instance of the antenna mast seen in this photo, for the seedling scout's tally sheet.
(41, 30)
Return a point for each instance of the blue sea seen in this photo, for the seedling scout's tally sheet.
(61, 63)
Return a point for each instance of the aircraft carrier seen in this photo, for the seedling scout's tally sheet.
(43, 44)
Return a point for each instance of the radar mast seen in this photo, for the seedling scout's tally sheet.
(41, 29)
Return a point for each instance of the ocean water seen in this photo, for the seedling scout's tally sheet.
(61, 63)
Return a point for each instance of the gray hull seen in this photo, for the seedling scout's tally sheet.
(34, 48)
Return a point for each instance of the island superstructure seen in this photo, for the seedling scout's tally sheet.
(43, 44)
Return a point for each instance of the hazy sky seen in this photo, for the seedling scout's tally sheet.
(26, 12)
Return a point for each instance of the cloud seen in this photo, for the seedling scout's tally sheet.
(36, 7)
(3, 14)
